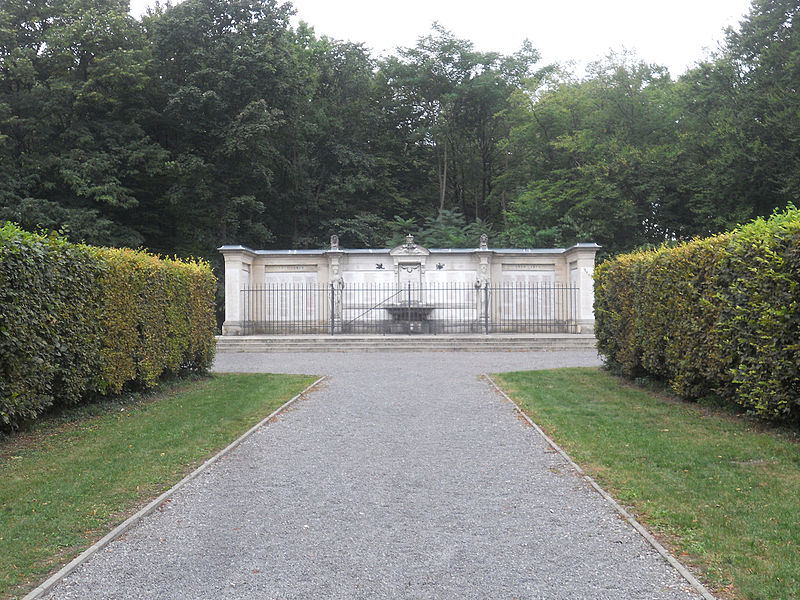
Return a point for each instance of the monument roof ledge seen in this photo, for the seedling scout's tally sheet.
(418, 250)
(588, 245)
(235, 248)
(295, 251)
(527, 250)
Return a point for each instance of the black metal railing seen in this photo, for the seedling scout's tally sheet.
(285, 309)
(409, 308)
(525, 308)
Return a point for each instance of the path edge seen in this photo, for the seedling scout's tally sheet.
(151, 507)
(665, 554)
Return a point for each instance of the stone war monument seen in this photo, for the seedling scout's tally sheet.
(409, 289)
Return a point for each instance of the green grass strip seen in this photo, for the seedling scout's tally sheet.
(722, 491)
(64, 485)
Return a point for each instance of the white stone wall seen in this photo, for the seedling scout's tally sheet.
(408, 263)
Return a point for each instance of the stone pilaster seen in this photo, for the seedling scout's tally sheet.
(336, 278)
(238, 266)
(580, 266)
(484, 260)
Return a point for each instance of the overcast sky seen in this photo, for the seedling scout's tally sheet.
(673, 33)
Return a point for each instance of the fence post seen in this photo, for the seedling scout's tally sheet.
(486, 307)
(408, 304)
(333, 307)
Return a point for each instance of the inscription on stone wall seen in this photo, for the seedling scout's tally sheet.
(290, 269)
(515, 267)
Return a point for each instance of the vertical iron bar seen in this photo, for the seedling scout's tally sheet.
(504, 305)
(408, 324)
(574, 298)
(333, 301)
(486, 307)
(506, 308)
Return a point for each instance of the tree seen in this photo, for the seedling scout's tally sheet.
(738, 120)
(335, 177)
(213, 121)
(229, 78)
(448, 102)
(594, 159)
(73, 100)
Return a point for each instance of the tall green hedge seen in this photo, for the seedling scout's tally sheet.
(78, 321)
(158, 316)
(718, 315)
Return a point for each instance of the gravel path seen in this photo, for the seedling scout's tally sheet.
(403, 476)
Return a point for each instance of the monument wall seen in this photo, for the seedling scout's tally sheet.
(406, 265)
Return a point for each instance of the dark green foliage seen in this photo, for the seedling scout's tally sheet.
(448, 104)
(49, 333)
(449, 229)
(600, 159)
(628, 156)
(759, 328)
(215, 121)
(75, 98)
(738, 120)
(718, 315)
(78, 321)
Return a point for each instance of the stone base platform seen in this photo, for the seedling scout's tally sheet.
(538, 342)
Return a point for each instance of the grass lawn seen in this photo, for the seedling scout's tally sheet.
(71, 479)
(722, 491)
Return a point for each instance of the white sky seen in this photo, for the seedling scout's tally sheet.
(673, 33)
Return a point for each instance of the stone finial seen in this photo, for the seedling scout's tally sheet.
(410, 241)
(334, 242)
(484, 241)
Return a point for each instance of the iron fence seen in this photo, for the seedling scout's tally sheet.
(285, 309)
(433, 308)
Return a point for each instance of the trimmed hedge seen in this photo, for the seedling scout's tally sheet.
(158, 316)
(77, 322)
(718, 315)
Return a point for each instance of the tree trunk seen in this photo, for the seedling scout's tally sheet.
(442, 178)
(503, 195)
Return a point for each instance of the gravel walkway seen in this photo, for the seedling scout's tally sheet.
(403, 476)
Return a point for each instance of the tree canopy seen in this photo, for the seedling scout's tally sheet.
(217, 121)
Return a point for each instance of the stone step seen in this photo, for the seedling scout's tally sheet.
(406, 343)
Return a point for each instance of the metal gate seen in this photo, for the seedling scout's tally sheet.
(410, 308)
